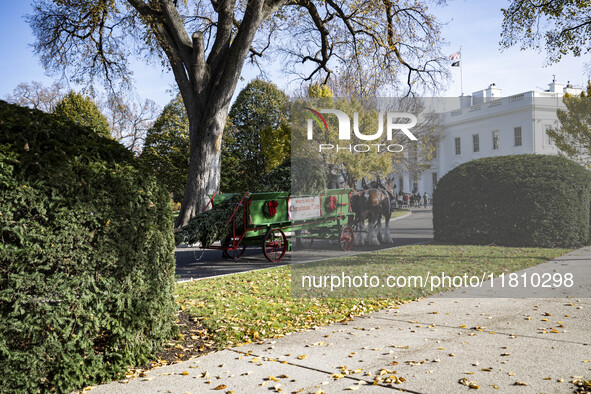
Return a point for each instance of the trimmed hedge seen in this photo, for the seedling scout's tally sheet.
(520, 200)
(86, 256)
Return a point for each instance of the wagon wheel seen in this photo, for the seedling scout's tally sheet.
(303, 238)
(347, 237)
(230, 242)
(274, 245)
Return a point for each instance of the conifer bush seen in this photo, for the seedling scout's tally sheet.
(86, 256)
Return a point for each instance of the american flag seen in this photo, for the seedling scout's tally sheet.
(455, 56)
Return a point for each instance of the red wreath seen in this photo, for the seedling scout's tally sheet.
(270, 208)
(332, 203)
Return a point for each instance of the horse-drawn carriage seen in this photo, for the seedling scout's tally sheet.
(267, 219)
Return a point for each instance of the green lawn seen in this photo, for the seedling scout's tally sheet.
(246, 307)
(399, 212)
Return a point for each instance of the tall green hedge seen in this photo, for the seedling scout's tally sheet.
(86, 256)
(520, 200)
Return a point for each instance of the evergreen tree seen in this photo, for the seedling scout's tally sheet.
(83, 111)
(166, 148)
(257, 136)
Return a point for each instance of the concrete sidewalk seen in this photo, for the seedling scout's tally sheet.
(434, 345)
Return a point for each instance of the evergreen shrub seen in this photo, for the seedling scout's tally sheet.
(86, 256)
(519, 200)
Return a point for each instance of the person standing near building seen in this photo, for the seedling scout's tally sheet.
(425, 200)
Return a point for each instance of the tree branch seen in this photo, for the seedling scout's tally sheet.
(223, 33)
(177, 30)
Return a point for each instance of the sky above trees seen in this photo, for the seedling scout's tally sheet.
(473, 25)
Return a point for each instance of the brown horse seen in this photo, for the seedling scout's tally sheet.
(371, 205)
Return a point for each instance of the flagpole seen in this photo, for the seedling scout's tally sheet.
(461, 75)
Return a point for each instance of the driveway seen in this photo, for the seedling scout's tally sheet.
(194, 263)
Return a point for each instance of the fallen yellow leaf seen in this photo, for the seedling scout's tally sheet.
(469, 383)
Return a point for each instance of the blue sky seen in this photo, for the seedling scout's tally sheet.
(473, 25)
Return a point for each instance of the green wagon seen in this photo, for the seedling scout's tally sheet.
(267, 217)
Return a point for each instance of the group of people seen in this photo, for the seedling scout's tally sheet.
(400, 199)
(412, 200)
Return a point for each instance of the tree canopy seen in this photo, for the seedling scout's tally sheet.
(206, 44)
(82, 111)
(128, 117)
(573, 136)
(559, 26)
(257, 136)
(36, 96)
(130, 120)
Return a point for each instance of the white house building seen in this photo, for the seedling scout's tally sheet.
(486, 124)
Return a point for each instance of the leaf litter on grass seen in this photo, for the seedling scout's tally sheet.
(255, 306)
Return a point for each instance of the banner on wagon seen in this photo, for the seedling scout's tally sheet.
(301, 208)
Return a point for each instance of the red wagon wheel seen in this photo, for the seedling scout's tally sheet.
(274, 245)
(347, 238)
(235, 250)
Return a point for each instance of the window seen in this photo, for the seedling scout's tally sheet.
(401, 183)
(517, 134)
(434, 179)
(495, 139)
(476, 142)
(458, 146)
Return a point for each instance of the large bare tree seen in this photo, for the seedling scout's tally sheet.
(35, 95)
(206, 43)
(130, 120)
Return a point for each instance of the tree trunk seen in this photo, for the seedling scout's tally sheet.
(204, 164)
(207, 98)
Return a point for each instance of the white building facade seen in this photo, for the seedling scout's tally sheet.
(485, 125)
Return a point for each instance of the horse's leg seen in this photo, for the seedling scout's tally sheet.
(379, 230)
(360, 236)
(357, 228)
(387, 236)
(372, 233)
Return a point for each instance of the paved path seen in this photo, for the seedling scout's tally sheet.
(194, 263)
(428, 346)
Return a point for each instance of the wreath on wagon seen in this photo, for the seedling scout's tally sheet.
(270, 208)
(330, 204)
